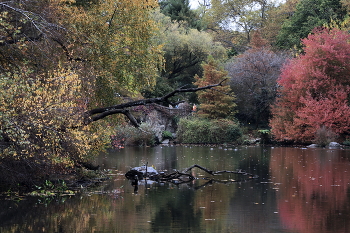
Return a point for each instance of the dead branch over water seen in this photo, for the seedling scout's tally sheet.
(139, 173)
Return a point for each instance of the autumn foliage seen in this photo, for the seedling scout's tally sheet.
(218, 102)
(315, 89)
(38, 120)
(311, 191)
(56, 58)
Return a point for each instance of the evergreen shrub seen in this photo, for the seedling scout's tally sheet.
(346, 142)
(265, 135)
(167, 135)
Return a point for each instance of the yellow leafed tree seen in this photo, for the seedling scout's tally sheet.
(78, 55)
(118, 39)
(39, 119)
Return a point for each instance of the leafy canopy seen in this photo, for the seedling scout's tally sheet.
(60, 58)
(308, 15)
(184, 51)
(118, 38)
(315, 89)
(180, 11)
(241, 15)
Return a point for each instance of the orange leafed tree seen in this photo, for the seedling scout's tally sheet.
(215, 103)
(315, 89)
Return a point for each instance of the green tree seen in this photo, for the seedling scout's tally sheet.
(219, 102)
(184, 51)
(308, 15)
(276, 14)
(112, 37)
(180, 11)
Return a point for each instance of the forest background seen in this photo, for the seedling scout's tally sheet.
(285, 65)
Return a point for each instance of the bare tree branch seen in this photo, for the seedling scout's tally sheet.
(31, 26)
(136, 174)
(115, 111)
(38, 22)
(100, 113)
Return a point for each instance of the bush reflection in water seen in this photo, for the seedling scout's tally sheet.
(298, 190)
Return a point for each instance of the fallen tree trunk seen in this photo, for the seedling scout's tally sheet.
(100, 113)
(139, 173)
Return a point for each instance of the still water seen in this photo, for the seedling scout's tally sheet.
(298, 190)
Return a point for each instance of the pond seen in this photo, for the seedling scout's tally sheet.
(298, 190)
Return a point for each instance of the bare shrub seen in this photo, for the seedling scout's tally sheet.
(324, 136)
(131, 136)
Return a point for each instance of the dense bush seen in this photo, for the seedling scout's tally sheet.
(131, 136)
(314, 89)
(264, 135)
(40, 126)
(167, 135)
(346, 142)
(197, 130)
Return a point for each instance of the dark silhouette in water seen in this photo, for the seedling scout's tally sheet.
(137, 174)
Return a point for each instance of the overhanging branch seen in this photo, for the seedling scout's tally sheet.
(100, 113)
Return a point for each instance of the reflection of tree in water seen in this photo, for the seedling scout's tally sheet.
(177, 213)
(258, 161)
(312, 189)
(187, 209)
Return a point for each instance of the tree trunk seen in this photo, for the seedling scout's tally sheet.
(100, 113)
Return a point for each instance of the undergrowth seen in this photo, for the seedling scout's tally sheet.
(197, 130)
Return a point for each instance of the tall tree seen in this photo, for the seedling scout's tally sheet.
(275, 15)
(218, 103)
(114, 36)
(181, 12)
(245, 15)
(253, 78)
(57, 60)
(315, 89)
(184, 51)
(308, 15)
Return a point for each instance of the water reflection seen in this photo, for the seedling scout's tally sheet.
(297, 191)
(312, 189)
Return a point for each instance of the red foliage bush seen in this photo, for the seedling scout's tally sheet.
(314, 89)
